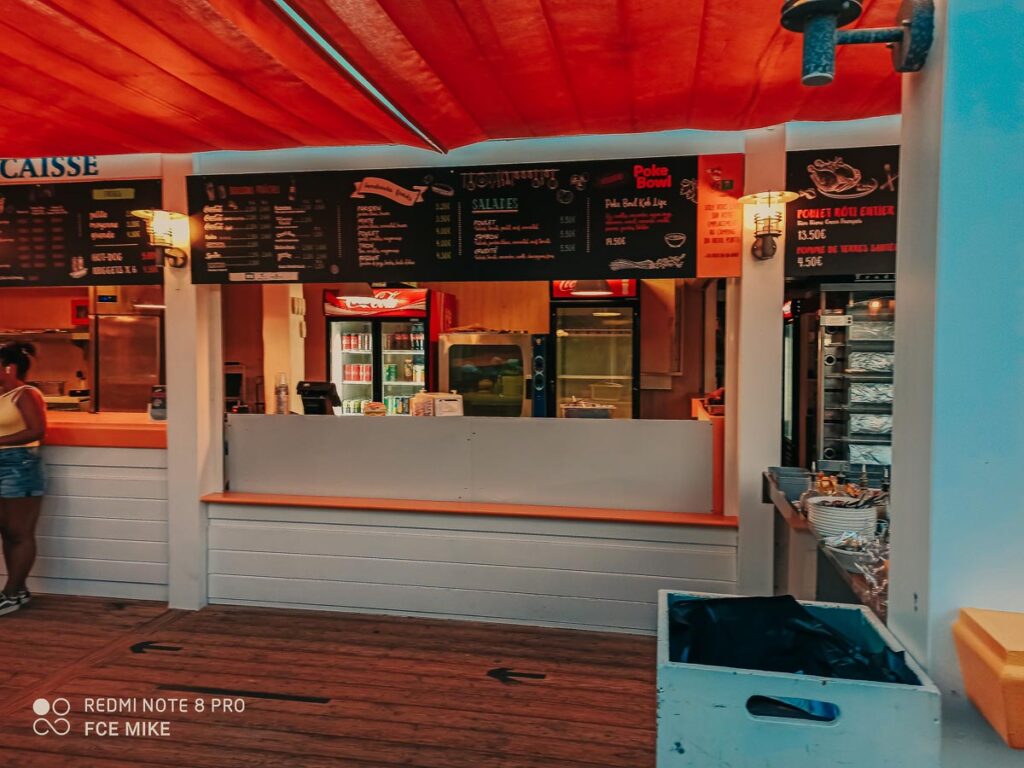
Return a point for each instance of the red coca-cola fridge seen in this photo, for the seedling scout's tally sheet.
(384, 347)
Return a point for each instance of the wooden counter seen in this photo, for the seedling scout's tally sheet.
(104, 430)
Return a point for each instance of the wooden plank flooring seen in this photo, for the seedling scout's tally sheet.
(409, 692)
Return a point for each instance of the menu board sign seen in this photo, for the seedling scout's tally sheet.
(549, 221)
(258, 228)
(77, 234)
(844, 222)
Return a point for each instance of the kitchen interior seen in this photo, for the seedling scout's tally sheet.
(632, 356)
(98, 349)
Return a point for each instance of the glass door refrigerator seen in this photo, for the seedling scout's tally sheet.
(383, 348)
(595, 343)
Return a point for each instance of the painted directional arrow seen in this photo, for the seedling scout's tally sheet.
(151, 645)
(508, 676)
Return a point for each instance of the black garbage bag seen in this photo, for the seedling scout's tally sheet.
(774, 634)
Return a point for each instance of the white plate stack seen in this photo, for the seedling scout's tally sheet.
(834, 521)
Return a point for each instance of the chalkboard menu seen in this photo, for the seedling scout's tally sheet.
(77, 234)
(277, 228)
(844, 222)
(544, 221)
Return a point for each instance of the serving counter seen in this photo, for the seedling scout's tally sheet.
(103, 529)
(543, 521)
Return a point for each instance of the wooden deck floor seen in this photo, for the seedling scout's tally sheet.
(323, 689)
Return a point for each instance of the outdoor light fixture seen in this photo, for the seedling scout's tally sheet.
(819, 21)
(168, 231)
(591, 288)
(767, 220)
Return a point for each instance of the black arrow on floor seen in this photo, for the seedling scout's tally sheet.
(508, 676)
(151, 645)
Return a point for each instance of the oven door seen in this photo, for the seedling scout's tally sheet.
(490, 370)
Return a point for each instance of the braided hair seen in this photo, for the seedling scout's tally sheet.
(20, 354)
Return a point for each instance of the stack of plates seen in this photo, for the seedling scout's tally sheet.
(834, 521)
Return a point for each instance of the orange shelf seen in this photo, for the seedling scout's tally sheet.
(591, 514)
(104, 430)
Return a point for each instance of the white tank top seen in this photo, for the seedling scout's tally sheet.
(11, 420)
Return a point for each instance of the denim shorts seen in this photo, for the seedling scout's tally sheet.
(21, 473)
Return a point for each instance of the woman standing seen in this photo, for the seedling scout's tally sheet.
(22, 426)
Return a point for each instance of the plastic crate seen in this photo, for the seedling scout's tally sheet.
(703, 719)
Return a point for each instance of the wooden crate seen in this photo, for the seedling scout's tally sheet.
(703, 718)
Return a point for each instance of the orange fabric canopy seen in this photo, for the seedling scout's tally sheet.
(106, 76)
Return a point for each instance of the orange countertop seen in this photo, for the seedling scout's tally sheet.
(104, 430)
(591, 514)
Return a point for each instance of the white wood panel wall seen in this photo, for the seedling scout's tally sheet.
(601, 576)
(103, 529)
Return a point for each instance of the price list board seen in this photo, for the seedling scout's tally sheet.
(260, 228)
(844, 222)
(399, 225)
(77, 234)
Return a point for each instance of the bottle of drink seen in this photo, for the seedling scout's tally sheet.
(864, 477)
(281, 394)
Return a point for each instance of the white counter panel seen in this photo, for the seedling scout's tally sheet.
(587, 575)
(612, 464)
(103, 529)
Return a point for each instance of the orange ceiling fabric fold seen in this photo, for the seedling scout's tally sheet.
(92, 76)
(467, 70)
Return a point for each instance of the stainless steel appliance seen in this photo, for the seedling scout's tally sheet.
(490, 369)
(127, 333)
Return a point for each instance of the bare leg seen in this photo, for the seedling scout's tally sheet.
(3, 534)
(19, 532)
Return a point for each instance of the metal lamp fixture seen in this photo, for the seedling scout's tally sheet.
(768, 220)
(819, 22)
(168, 231)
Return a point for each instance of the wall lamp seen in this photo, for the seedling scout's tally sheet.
(819, 21)
(768, 218)
(168, 231)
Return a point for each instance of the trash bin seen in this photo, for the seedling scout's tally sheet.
(742, 718)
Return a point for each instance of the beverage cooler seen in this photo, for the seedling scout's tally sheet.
(383, 347)
(595, 349)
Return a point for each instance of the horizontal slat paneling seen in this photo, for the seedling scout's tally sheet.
(446, 601)
(103, 530)
(124, 509)
(105, 457)
(683, 534)
(566, 573)
(642, 558)
(493, 578)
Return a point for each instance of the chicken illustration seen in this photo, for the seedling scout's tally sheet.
(834, 177)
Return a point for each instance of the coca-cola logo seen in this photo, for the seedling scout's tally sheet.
(380, 300)
(567, 285)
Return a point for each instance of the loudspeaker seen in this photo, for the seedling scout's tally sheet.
(539, 382)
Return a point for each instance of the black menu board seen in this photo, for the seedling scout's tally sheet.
(398, 225)
(77, 234)
(544, 221)
(844, 222)
(264, 228)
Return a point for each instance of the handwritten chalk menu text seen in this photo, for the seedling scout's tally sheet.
(280, 228)
(844, 222)
(397, 223)
(77, 234)
(546, 221)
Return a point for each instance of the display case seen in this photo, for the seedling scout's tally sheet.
(856, 362)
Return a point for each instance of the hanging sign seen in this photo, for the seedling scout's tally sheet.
(77, 234)
(621, 219)
(720, 216)
(844, 222)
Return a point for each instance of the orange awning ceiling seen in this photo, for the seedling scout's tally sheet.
(106, 76)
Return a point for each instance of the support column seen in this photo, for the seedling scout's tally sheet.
(958, 440)
(754, 373)
(195, 403)
(284, 342)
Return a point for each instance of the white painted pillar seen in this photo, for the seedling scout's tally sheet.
(195, 397)
(958, 441)
(754, 373)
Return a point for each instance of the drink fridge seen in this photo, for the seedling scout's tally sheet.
(595, 345)
(383, 347)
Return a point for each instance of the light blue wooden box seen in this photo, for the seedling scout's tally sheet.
(703, 719)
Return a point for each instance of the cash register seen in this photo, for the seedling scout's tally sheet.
(319, 398)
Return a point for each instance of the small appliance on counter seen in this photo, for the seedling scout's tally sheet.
(491, 370)
(319, 398)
